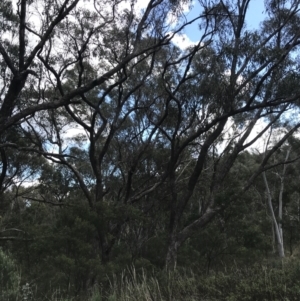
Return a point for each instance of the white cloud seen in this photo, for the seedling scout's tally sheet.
(183, 41)
(232, 132)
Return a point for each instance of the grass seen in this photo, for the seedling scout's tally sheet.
(269, 282)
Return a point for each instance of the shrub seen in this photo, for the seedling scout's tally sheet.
(9, 278)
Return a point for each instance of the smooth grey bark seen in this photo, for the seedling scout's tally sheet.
(277, 223)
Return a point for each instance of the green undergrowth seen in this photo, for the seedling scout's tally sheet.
(259, 282)
(265, 282)
(9, 278)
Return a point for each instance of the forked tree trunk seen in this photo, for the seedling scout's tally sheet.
(278, 233)
(277, 224)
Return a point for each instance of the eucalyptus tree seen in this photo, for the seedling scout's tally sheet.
(281, 193)
(41, 40)
(159, 125)
(241, 75)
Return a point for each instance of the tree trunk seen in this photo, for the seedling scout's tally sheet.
(278, 232)
(171, 258)
(105, 246)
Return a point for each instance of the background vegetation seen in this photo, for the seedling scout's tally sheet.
(133, 168)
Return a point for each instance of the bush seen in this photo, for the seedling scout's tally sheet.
(9, 278)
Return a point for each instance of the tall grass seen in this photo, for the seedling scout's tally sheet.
(256, 283)
(163, 286)
(260, 282)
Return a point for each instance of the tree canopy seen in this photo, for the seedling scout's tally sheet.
(112, 135)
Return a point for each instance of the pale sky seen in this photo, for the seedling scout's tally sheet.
(254, 17)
